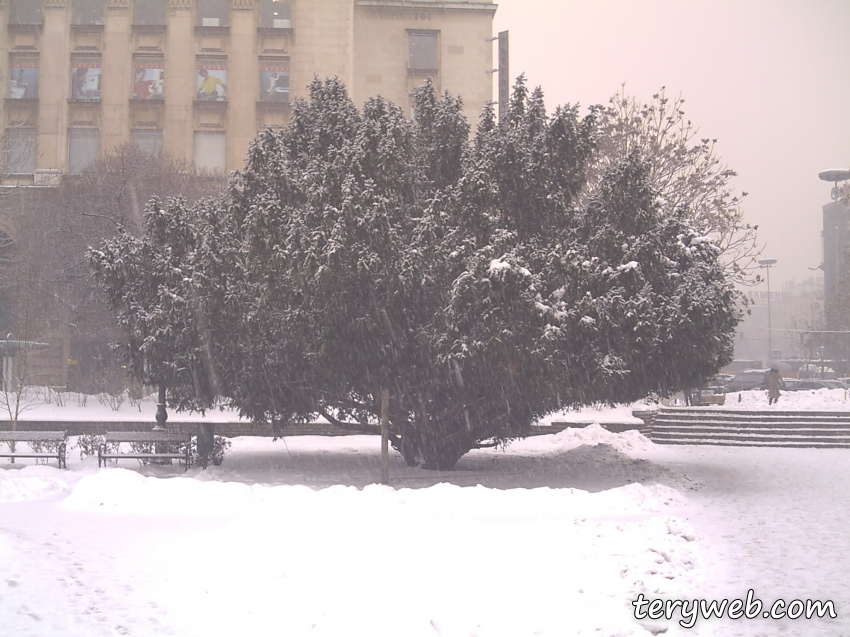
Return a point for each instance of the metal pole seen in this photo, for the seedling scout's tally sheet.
(766, 264)
(504, 74)
(769, 326)
(161, 414)
(385, 436)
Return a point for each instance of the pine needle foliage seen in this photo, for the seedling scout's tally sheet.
(359, 251)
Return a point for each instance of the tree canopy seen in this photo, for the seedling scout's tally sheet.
(359, 251)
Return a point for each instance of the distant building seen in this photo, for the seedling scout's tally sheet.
(199, 78)
(794, 309)
(835, 242)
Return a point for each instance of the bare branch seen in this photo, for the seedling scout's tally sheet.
(684, 168)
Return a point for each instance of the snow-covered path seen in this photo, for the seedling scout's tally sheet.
(62, 575)
(778, 522)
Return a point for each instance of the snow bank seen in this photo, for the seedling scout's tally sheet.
(596, 434)
(573, 437)
(33, 482)
(127, 492)
(445, 560)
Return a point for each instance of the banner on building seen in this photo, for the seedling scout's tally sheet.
(274, 83)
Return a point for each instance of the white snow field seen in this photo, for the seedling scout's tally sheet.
(555, 535)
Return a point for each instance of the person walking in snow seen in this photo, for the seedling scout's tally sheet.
(773, 386)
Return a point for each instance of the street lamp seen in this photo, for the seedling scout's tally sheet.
(835, 175)
(767, 264)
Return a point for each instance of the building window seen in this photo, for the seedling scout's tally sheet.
(23, 80)
(82, 149)
(213, 13)
(274, 83)
(150, 12)
(148, 79)
(210, 151)
(275, 14)
(212, 82)
(88, 11)
(147, 141)
(85, 80)
(423, 51)
(20, 151)
(26, 11)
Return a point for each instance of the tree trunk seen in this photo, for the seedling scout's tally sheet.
(443, 454)
(436, 443)
(205, 442)
(385, 436)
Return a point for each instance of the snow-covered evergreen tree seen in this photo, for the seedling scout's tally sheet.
(359, 251)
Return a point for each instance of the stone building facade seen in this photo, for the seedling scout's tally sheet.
(199, 78)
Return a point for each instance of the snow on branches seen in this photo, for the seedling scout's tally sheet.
(359, 251)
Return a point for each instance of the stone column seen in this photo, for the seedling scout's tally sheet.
(242, 82)
(178, 136)
(54, 86)
(116, 85)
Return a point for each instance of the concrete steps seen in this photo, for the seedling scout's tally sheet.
(701, 426)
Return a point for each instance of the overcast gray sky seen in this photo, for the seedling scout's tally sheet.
(769, 79)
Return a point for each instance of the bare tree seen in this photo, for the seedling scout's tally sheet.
(25, 303)
(45, 278)
(17, 156)
(684, 168)
(812, 332)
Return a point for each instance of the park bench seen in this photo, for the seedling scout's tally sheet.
(111, 449)
(39, 438)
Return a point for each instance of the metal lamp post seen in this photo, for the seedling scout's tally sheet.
(767, 264)
(161, 414)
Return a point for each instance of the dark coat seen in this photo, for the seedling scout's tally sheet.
(773, 384)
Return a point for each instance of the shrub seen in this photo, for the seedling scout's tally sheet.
(88, 444)
(220, 446)
(45, 446)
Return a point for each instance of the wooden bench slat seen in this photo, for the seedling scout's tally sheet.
(32, 436)
(115, 456)
(145, 437)
(9, 437)
(137, 436)
(55, 454)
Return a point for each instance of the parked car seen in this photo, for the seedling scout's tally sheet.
(817, 384)
(751, 379)
(813, 371)
(712, 393)
(719, 382)
(708, 395)
(791, 384)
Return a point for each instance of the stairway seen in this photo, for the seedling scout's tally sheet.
(701, 426)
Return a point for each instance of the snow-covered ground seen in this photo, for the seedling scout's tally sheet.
(555, 535)
(804, 400)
